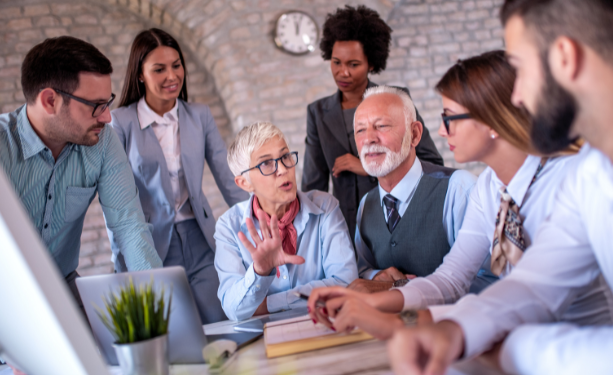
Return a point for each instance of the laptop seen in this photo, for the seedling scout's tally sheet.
(185, 333)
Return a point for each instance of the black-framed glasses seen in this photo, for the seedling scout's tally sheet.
(447, 119)
(270, 166)
(99, 108)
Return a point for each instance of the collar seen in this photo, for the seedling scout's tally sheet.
(30, 141)
(404, 190)
(147, 116)
(307, 207)
(518, 187)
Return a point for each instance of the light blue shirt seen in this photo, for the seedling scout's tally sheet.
(323, 242)
(460, 185)
(57, 193)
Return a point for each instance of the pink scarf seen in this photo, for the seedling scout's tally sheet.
(287, 231)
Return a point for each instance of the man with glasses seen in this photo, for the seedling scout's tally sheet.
(58, 153)
(280, 241)
(407, 224)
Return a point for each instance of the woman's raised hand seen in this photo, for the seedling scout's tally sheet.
(268, 252)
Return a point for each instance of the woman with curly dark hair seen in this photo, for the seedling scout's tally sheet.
(357, 42)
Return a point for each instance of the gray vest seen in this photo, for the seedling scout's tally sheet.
(419, 241)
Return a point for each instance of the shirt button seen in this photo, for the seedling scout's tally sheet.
(257, 287)
(46, 225)
(284, 277)
(49, 196)
(394, 244)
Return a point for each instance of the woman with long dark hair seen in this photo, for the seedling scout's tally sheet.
(357, 43)
(512, 197)
(167, 141)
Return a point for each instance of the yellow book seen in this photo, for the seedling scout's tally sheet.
(297, 335)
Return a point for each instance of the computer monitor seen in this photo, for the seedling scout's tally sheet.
(41, 329)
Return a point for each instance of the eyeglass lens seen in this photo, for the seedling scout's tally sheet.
(269, 167)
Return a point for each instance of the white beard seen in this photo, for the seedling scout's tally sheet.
(392, 159)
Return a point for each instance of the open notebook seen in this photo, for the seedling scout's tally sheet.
(297, 335)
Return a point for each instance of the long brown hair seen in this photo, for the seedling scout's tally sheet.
(145, 42)
(484, 84)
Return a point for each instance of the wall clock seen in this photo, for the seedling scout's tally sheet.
(296, 32)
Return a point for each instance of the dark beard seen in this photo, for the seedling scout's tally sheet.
(556, 111)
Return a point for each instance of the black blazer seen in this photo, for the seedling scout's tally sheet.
(327, 139)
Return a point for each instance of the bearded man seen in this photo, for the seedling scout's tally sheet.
(407, 224)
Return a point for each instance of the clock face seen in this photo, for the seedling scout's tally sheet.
(296, 33)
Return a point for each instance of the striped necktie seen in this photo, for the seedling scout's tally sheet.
(392, 213)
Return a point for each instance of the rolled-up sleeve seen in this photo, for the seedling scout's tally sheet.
(123, 213)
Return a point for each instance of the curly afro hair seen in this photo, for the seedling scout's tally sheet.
(363, 25)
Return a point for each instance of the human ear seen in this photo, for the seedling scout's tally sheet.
(243, 183)
(565, 59)
(50, 101)
(417, 129)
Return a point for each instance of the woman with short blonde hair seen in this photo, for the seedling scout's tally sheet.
(299, 241)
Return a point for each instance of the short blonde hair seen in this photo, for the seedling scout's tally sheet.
(249, 139)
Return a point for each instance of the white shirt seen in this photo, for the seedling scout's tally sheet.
(452, 279)
(458, 190)
(571, 252)
(166, 130)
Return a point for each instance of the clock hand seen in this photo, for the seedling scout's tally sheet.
(298, 25)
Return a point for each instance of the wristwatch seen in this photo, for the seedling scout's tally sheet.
(409, 317)
(400, 282)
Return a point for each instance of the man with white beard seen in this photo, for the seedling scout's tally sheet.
(407, 224)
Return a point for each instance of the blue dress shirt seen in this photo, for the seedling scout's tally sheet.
(323, 242)
(57, 193)
(460, 185)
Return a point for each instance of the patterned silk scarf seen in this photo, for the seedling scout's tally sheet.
(509, 245)
(287, 231)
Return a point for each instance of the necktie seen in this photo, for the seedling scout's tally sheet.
(509, 245)
(392, 213)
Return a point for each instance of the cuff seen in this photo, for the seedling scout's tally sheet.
(439, 311)
(477, 328)
(369, 274)
(259, 283)
(412, 297)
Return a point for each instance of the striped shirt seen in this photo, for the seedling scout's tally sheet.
(57, 193)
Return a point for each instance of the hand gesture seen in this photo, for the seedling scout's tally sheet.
(426, 350)
(267, 253)
(350, 163)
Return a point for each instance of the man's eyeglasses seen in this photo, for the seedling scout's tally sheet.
(270, 166)
(99, 108)
(447, 119)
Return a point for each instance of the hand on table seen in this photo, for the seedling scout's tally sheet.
(262, 309)
(349, 163)
(326, 294)
(392, 274)
(351, 311)
(267, 253)
(427, 349)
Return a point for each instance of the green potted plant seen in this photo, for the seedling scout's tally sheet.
(138, 320)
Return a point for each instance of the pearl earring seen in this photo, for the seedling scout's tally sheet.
(493, 136)
(140, 80)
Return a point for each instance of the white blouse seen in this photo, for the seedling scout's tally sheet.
(166, 129)
(453, 277)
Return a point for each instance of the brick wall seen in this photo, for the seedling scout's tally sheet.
(235, 68)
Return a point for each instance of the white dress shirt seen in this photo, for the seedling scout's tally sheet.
(452, 279)
(166, 129)
(571, 253)
(460, 185)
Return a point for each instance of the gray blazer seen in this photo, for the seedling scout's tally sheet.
(200, 140)
(327, 139)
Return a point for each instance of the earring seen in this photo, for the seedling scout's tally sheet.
(140, 80)
(493, 136)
